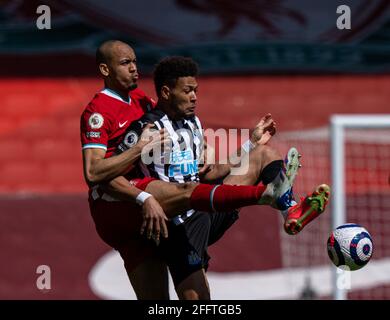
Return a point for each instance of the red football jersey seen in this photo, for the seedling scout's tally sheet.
(107, 116)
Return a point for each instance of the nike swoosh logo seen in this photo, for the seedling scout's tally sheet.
(122, 124)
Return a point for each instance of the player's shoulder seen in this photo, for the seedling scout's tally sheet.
(140, 96)
(100, 103)
(96, 103)
(153, 115)
(98, 111)
(137, 93)
(149, 117)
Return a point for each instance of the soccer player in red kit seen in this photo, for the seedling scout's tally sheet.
(103, 123)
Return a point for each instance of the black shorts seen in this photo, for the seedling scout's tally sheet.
(185, 250)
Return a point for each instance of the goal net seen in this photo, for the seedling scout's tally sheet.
(353, 156)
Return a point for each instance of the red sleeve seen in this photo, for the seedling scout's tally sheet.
(94, 128)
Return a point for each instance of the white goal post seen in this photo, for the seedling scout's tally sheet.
(338, 125)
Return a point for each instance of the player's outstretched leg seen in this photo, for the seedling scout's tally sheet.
(307, 209)
(279, 193)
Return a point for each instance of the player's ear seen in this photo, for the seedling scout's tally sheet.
(165, 92)
(103, 68)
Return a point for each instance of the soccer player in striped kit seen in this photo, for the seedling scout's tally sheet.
(191, 228)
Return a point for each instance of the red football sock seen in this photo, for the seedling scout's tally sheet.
(224, 197)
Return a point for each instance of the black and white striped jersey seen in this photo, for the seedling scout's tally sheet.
(179, 162)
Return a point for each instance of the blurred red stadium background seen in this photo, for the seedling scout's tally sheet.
(44, 215)
(285, 57)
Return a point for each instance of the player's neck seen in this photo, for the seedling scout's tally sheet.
(168, 111)
(123, 93)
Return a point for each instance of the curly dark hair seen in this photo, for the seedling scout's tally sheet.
(169, 69)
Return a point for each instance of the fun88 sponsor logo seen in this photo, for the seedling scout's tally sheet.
(180, 156)
(182, 163)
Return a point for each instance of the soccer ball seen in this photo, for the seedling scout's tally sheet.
(350, 246)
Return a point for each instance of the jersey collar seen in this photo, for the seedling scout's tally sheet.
(113, 94)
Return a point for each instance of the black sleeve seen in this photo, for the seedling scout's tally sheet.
(134, 131)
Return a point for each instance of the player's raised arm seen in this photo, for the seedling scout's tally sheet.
(264, 130)
(261, 134)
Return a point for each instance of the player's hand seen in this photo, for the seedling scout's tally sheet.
(203, 170)
(152, 138)
(154, 220)
(150, 134)
(264, 130)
